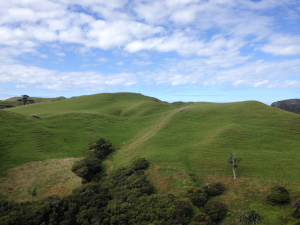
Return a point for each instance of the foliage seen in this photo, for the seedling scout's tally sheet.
(202, 219)
(278, 195)
(214, 189)
(88, 168)
(216, 210)
(24, 100)
(198, 196)
(140, 164)
(233, 161)
(252, 217)
(125, 197)
(296, 209)
(102, 148)
(32, 191)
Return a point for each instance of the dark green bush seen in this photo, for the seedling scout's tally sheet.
(125, 197)
(252, 217)
(214, 189)
(140, 164)
(296, 209)
(215, 210)
(278, 195)
(198, 196)
(88, 168)
(202, 219)
(102, 148)
(184, 211)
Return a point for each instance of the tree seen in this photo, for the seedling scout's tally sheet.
(32, 192)
(233, 162)
(25, 99)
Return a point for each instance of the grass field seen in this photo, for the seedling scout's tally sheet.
(187, 144)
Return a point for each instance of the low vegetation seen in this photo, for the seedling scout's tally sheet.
(123, 197)
(278, 195)
(252, 217)
(186, 146)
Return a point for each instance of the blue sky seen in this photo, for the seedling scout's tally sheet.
(174, 50)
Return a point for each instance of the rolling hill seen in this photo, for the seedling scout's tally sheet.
(195, 137)
(13, 102)
(186, 143)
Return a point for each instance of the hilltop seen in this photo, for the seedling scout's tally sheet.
(13, 102)
(186, 144)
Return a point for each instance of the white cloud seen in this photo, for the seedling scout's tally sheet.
(283, 45)
(35, 77)
(258, 74)
(206, 38)
(34, 23)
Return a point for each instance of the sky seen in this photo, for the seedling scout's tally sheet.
(174, 50)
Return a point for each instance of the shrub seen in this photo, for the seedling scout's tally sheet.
(88, 168)
(252, 217)
(278, 195)
(184, 211)
(215, 210)
(296, 209)
(198, 196)
(102, 148)
(203, 219)
(214, 189)
(140, 164)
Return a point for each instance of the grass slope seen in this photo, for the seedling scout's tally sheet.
(187, 144)
(196, 138)
(199, 139)
(66, 127)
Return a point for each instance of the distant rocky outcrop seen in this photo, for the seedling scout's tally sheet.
(291, 105)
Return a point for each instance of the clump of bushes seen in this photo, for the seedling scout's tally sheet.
(102, 148)
(216, 210)
(202, 219)
(90, 168)
(124, 196)
(296, 209)
(198, 196)
(214, 189)
(140, 164)
(278, 195)
(252, 217)
(211, 212)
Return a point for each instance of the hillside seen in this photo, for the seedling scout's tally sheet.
(13, 102)
(187, 144)
(189, 137)
(291, 105)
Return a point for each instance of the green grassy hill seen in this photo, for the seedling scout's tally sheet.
(187, 144)
(13, 102)
(195, 138)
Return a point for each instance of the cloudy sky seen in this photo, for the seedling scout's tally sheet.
(175, 50)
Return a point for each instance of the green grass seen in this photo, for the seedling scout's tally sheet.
(196, 138)
(186, 143)
(36, 100)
